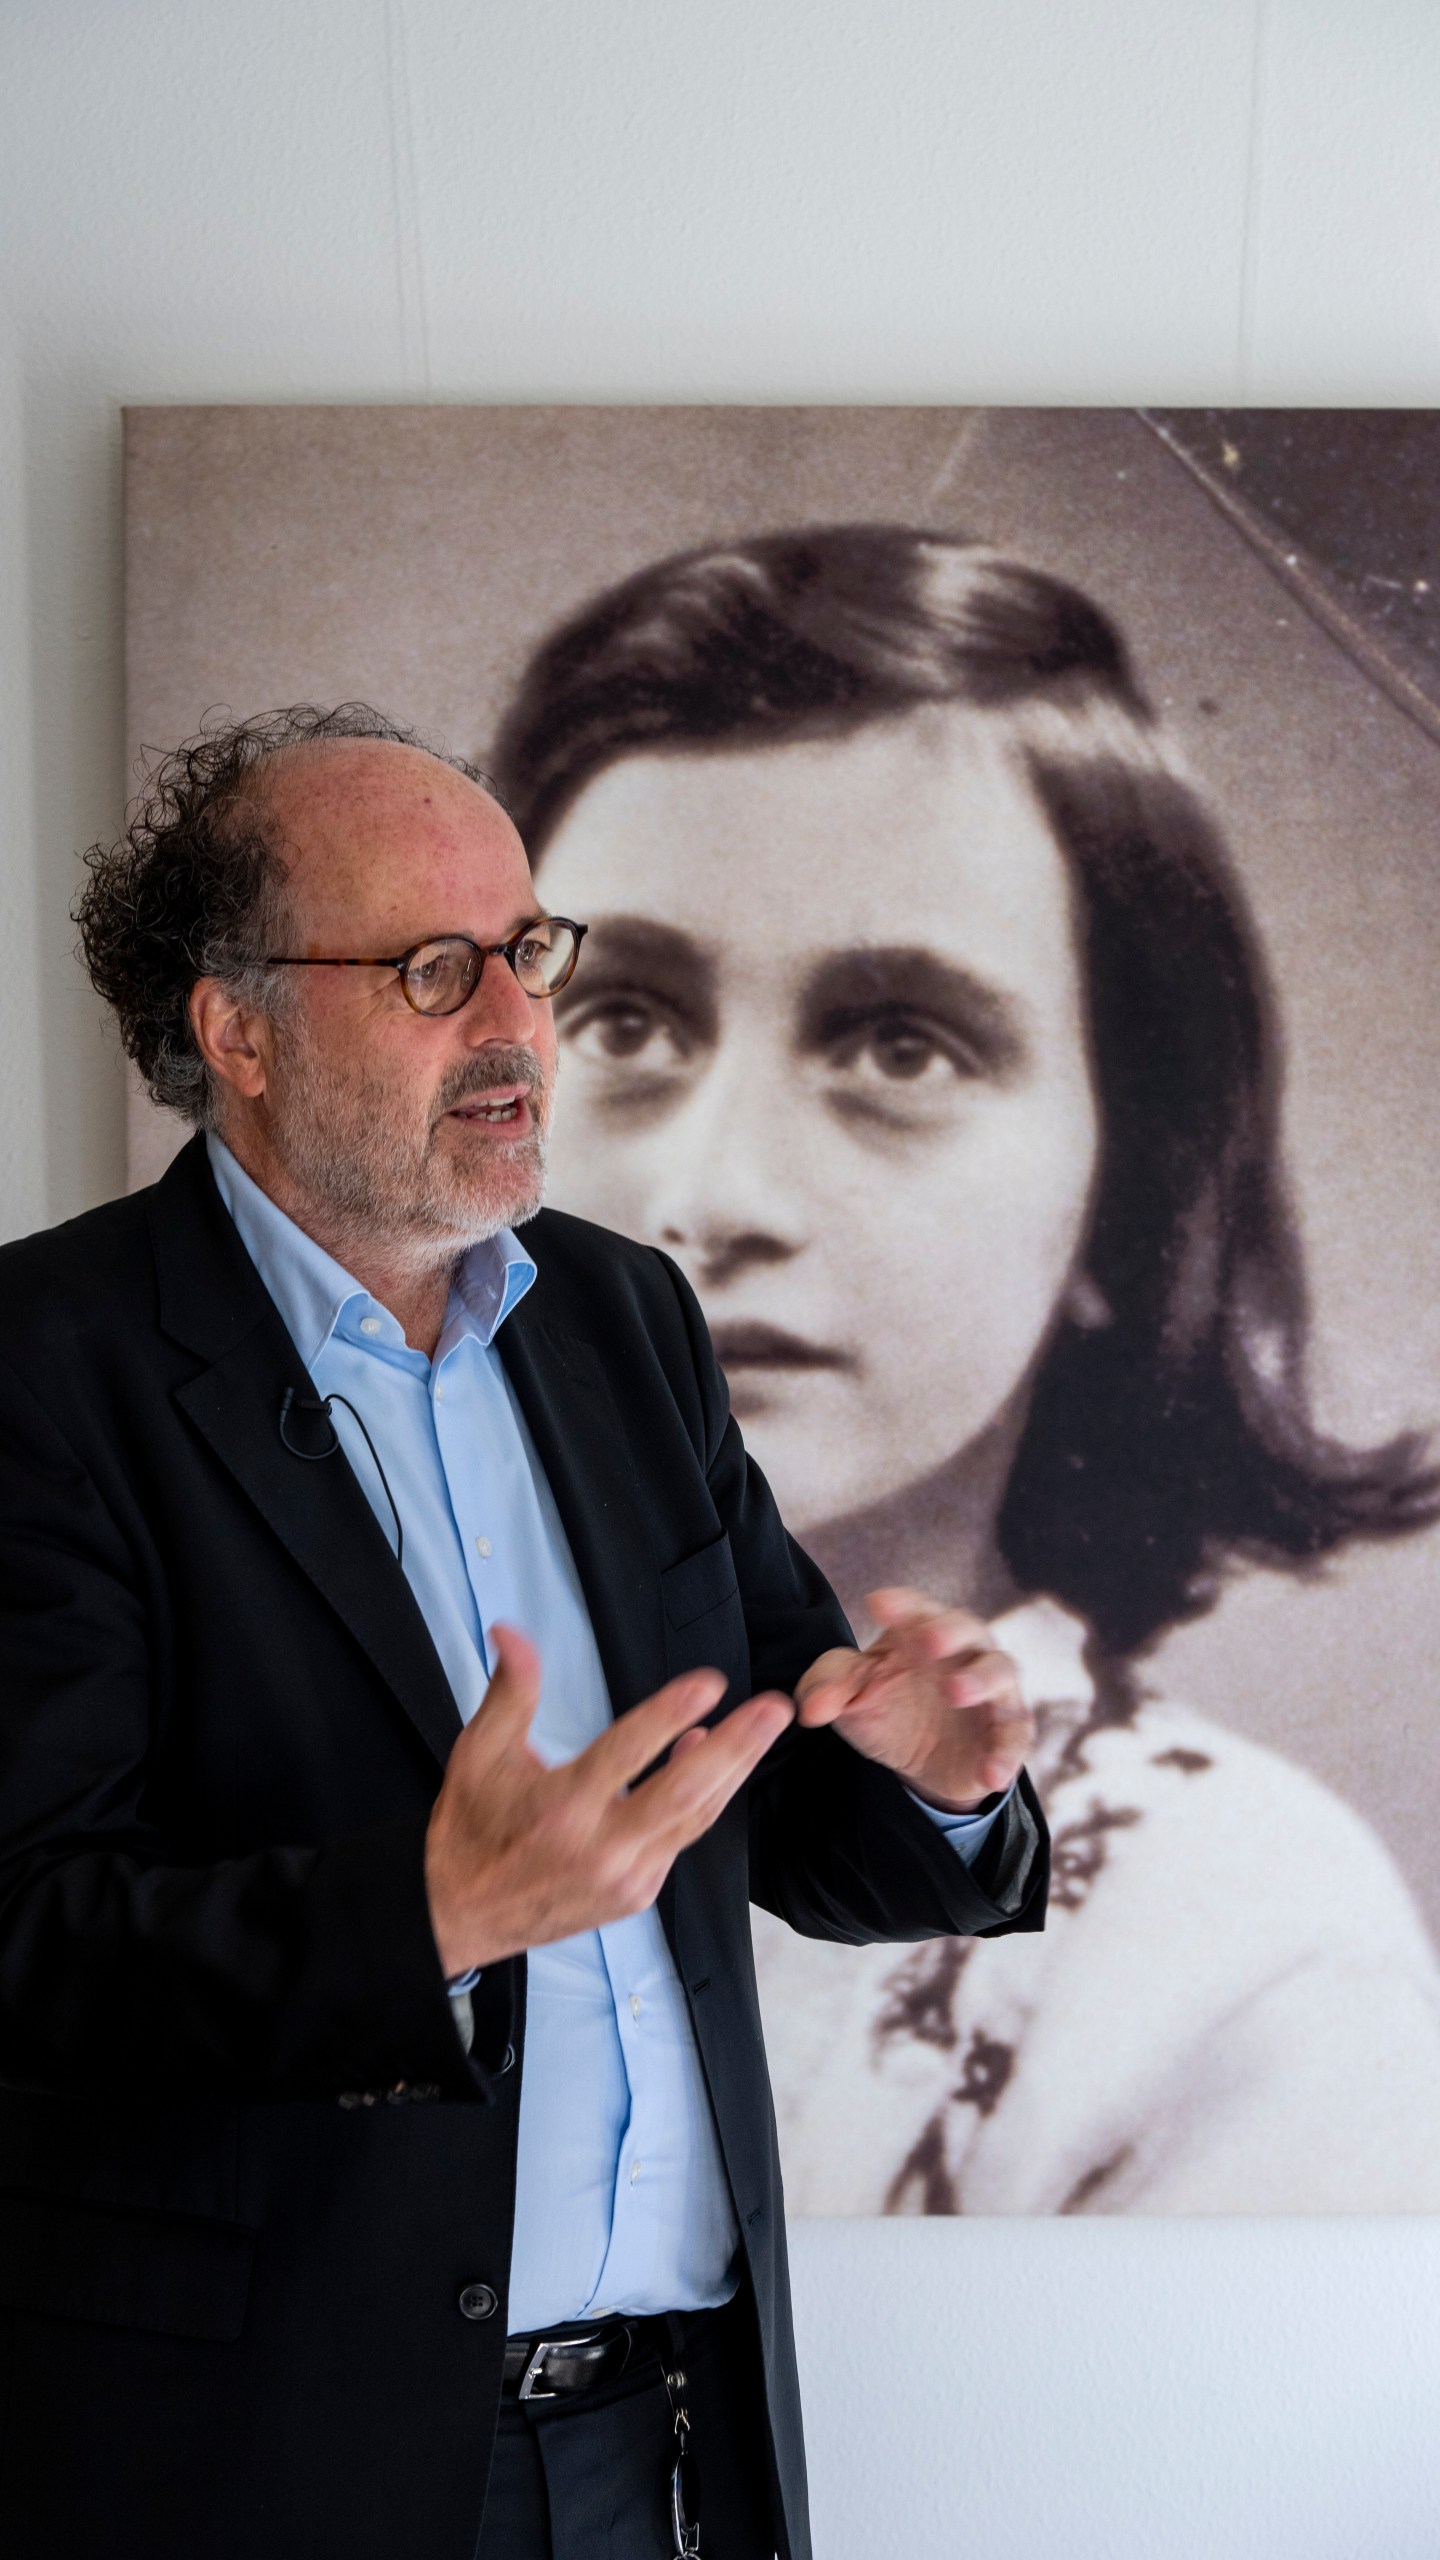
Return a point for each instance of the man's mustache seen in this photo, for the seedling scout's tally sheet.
(483, 1075)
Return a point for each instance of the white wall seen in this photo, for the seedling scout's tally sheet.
(1175, 200)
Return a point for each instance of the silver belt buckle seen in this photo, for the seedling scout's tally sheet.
(530, 2379)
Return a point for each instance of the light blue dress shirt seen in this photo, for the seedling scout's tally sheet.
(622, 2203)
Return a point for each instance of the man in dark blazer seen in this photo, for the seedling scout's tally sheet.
(265, 1898)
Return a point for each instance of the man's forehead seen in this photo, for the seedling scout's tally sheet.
(376, 828)
(356, 782)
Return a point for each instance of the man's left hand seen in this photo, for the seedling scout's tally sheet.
(932, 1698)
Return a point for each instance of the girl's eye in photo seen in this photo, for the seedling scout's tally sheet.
(901, 1048)
(625, 1027)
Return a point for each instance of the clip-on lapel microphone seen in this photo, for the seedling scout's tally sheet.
(312, 1457)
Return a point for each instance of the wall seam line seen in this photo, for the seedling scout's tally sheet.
(1249, 279)
(410, 282)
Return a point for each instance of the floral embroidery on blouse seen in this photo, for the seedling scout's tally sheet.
(922, 1994)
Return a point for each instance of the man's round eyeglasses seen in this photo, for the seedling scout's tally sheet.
(441, 975)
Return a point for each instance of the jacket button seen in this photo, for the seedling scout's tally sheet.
(478, 2301)
(506, 2062)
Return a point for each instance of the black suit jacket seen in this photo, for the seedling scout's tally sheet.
(246, 2169)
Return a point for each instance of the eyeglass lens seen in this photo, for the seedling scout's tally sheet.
(441, 976)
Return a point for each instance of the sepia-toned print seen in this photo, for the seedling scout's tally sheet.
(1009, 902)
(923, 1021)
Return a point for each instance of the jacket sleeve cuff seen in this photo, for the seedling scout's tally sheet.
(1005, 1884)
(396, 2034)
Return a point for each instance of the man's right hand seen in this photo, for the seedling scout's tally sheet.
(517, 1854)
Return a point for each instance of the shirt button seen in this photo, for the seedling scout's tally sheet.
(635, 2173)
(478, 2302)
(636, 2004)
(369, 1324)
(439, 1395)
(482, 1547)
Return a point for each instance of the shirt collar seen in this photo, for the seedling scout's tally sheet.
(313, 1291)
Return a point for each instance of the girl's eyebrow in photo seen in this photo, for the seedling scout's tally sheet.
(671, 963)
(916, 980)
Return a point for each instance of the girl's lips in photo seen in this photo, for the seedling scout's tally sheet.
(739, 1345)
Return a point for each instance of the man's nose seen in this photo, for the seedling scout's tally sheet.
(498, 1007)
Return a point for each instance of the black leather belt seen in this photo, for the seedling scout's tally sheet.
(547, 2368)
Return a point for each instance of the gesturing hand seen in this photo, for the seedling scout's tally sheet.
(517, 1854)
(932, 1698)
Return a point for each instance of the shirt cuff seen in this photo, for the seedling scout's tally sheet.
(967, 1833)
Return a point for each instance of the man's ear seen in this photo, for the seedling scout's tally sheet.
(232, 1038)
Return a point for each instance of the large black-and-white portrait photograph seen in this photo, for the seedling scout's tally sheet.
(1009, 846)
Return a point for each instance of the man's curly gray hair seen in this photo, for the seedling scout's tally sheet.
(196, 887)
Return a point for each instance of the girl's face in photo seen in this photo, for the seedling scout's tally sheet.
(827, 1046)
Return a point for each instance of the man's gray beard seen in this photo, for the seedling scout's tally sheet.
(374, 1180)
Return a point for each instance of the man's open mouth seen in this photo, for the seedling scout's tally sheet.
(494, 1110)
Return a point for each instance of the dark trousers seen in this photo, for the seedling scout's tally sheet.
(587, 2477)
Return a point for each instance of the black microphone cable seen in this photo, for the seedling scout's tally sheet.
(312, 1457)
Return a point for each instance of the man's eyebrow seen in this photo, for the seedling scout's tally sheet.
(461, 933)
(914, 979)
(671, 960)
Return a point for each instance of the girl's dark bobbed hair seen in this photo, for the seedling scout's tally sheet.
(1177, 1437)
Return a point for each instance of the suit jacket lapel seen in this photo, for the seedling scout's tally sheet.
(581, 1443)
(213, 1300)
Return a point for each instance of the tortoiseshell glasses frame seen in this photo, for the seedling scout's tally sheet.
(441, 974)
